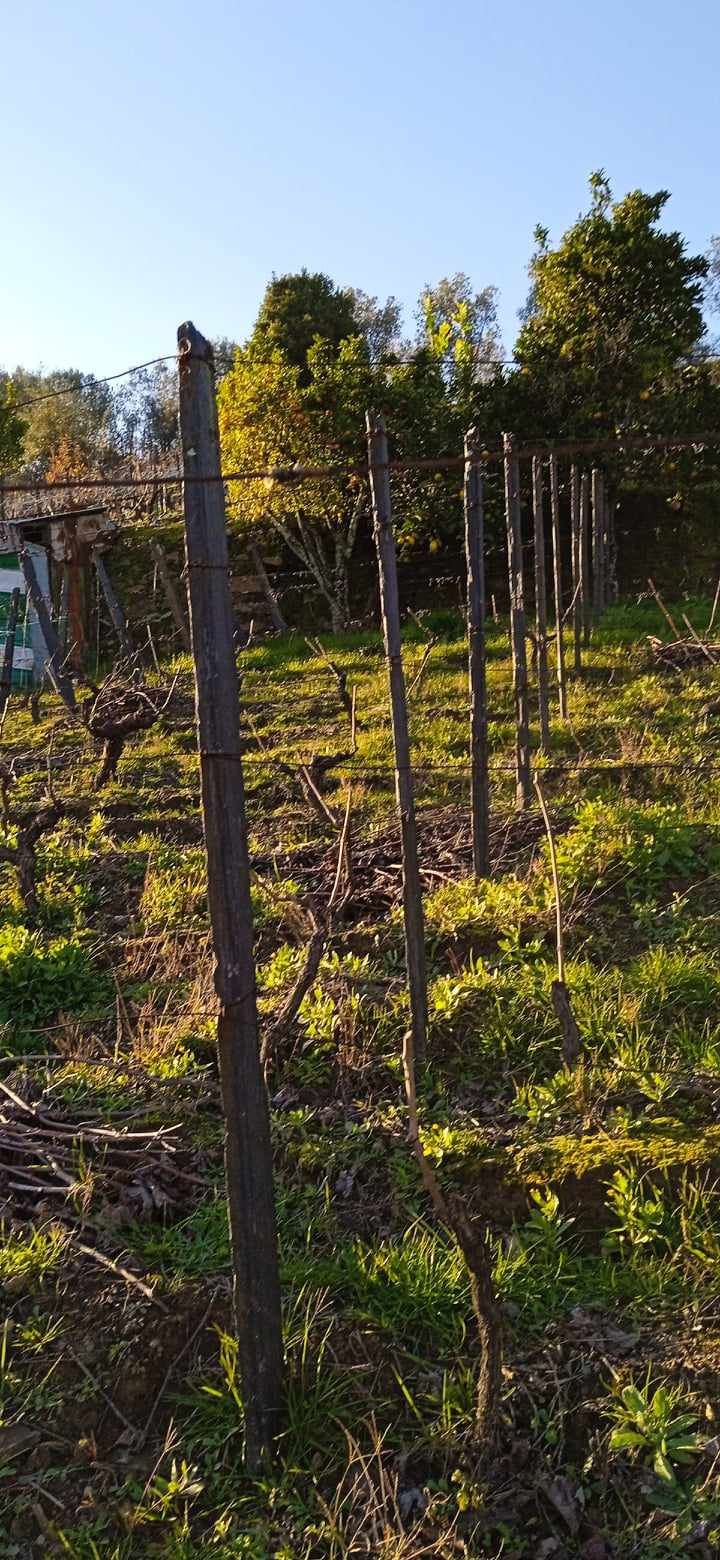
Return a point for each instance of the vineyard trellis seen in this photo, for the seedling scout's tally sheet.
(225, 751)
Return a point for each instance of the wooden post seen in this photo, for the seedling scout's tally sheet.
(248, 1153)
(390, 608)
(611, 551)
(75, 605)
(9, 651)
(576, 567)
(557, 584)
(171, 595)
(541, 604)
(517, 623)
(475, 559)
(585, 556)
(598, 542)
(116, 613)
(276, 617)
(58, 676)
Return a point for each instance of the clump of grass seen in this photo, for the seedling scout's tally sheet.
(26, 1259)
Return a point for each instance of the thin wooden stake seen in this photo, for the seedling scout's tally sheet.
(585, 557)
(517, 623)
(598, 542)
(113, 605)
(248, 1154)
(475, 560)
(58, 676)
(390, 607)
(557, 584)
(171, 595)
(541, 605)
(576, 567)
(9, 651)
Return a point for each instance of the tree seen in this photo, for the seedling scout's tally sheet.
(72, 412)
(270, 418)
(460, 328)
(613, 308)
(12, 429)
(379, 324)
(296, 309)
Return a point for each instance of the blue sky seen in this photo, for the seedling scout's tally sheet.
(160, 160)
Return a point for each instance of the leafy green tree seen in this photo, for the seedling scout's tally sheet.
(271, 418)
(12, 429)
(296, 309)
(81, 419)
(613, 309)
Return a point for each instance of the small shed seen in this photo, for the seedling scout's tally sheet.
(61, 547)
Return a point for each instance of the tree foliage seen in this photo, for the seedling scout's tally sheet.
(613, 309)
(296, 309)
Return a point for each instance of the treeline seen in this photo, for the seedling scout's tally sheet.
(612, 341)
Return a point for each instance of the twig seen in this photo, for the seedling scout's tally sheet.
(698, 640)
(144, 1433)
(663, 608)
(715, 605)
(122, 1272)
(103, 1394)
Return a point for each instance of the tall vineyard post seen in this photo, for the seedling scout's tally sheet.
(390, 607)
(540, 604)
(9, 650)
(585, 557)
(477, 677)
(517, 623)
(248, 1153)
(598, 542)
(557, 584)
(576, 567)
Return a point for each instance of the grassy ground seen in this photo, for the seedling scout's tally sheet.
(120, 1408)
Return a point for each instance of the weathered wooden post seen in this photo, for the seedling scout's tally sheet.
(58, 676)
(557, 585)
(171, 595)
(576, 567)
(585, 556)
(248, 1153)
(475, 559)
(517, 623)
(598, 542)
(541, 604)
(117, 615)
(390, 608)
(9, 650)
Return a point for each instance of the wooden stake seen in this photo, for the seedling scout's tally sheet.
(58, 676)
(576, 567)
(116, 612)
(557, 583)
(598, 542)
(541, 604)
(248, 1154)
(171, 595)
(9, 651)
(517, 623)
(390, 608)
(585, 557)
(475, 559)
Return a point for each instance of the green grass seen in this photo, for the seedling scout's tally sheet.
(600, 1186)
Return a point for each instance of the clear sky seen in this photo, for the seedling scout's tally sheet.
(161, 159)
